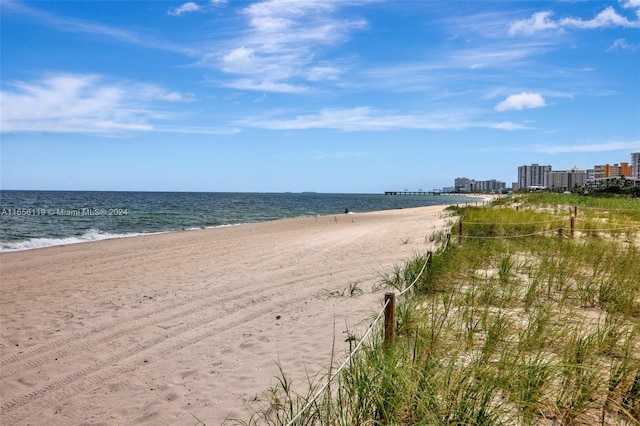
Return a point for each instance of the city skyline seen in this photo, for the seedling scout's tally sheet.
(545, 176)
(359, 96)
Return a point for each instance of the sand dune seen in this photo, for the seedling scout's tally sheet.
(164, 329)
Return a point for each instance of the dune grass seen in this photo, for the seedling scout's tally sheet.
(512, 324)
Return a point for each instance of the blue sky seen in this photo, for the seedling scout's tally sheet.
(327, 96)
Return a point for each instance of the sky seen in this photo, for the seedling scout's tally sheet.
(348, 96)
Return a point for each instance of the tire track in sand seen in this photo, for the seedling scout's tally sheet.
(128, 359)
(137, 356)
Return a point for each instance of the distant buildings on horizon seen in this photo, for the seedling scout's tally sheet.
(536, 177)
(464, 184)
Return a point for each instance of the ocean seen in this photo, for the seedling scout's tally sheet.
(34, 219)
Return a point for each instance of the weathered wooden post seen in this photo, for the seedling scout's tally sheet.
(575, 211)
(430, 258)
(389, 318)
(573, 222)
(460, 229)
(560, 232)
(448, 239)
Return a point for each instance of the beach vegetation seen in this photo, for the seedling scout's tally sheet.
(353, 289)
(512, 323)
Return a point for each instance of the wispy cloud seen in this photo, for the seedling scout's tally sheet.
(631, 4)
(75, 25)
(189, 7)
(184, 8)
(523, 100)
(594, 147)
(85, 103)
(370, 119)
(281, 44)
(543, 21)
(622, 44)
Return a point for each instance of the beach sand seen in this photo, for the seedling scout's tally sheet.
(190, 326)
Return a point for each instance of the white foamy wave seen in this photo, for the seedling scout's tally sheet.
(91, 235)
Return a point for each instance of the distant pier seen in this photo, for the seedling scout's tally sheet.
(419, 193)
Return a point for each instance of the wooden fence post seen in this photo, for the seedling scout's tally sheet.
(573, 222)
(430, 258)
(560, 232)
(460, 229)
(389, 318)
(575, 211)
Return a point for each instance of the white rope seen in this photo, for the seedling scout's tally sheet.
(362, 340)
(602, 209)
(585, 230)
(513, 223)
(344, 364)
(417, 278)
(479, 237)
(608, 229)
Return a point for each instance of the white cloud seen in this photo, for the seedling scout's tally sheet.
(239, 60)
(265, 86)
(542, 21)
(523, 100)
(74, 25)
(82, 103)
(282, 43)
(194, 7)
(370, 119)
(506, 125)
(607, 18)
(184, 8)
(631, 4)
(622, 44)
(595, 147)
(324, 72)
(539, 21)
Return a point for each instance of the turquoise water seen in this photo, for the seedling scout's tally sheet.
(33, 219)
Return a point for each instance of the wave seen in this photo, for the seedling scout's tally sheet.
(90, 235)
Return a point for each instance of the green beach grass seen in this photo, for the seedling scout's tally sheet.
(514, 323)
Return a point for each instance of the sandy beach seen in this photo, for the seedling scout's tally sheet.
(190, 326)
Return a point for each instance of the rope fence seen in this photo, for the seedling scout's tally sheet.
(490, 237)
(388, 309)
(388, 313)
(573, 215)
(515, 223)
(344, 364)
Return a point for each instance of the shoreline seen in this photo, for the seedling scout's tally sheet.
(158, 328)
(95, 235)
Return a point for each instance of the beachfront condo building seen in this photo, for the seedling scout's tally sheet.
(567, 179)
(534, 175)
(635, 164)
(464, 184)
(615, 170)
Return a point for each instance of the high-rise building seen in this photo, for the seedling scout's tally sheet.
(491, 185)
(464, 184)
(567, 179)
(635, 165)
(534, 175)
(615, 170)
